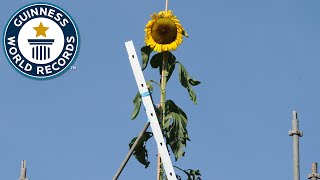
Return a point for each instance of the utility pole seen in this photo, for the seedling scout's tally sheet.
(295, 133)
(314, 175)
(23, 171)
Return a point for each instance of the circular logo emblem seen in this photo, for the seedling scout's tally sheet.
(41, 41)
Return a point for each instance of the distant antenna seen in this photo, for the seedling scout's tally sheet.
(314, 175)
(295, 133)
(23, 171)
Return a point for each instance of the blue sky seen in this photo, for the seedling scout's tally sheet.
(257, 60)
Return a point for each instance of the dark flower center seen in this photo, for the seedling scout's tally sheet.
(164, 31)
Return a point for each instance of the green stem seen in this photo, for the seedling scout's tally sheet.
(164, 75)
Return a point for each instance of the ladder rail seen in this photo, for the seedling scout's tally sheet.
(151, 114)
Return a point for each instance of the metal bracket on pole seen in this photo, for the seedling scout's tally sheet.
(23, 171)
(295, 133)
(314, 175)
(152, 116)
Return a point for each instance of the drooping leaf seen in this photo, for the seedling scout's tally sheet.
(156, 60)
(183, 76)
(137, 101)
(171, 64)
(145, 53)
(137, 105)
(140, 152)
(187, 82)
(194, 82)
(175, 126)
(191, 173)
(171, 58)
(192, 95)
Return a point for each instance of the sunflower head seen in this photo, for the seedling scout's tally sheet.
(164, 32)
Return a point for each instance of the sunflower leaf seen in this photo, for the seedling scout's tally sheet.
(175, 126)
(185, 33)
(156, 60)
(192, 95)
(171, 68)
(187, 82)
(191, 173)
(145, 53)
(194, 82)
(140, 152)
(137, 101)
(171, 58)
(171, 64)
(183, 76)
(137, 105)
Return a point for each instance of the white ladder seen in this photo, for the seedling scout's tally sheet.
(151, 114)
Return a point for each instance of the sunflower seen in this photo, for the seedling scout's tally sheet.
(164, 32)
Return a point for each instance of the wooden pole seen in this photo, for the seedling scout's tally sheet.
(164, 75)
(167, 2)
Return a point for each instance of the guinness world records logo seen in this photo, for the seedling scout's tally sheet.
(41, 41)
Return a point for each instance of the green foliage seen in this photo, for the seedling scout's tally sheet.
(191, 174)
(187, 82)
(175, 127)
(137, 101)
(174, 123)
(137, 105)
(141, 153)
(145, 53)
(171, 64)
(156, 62)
